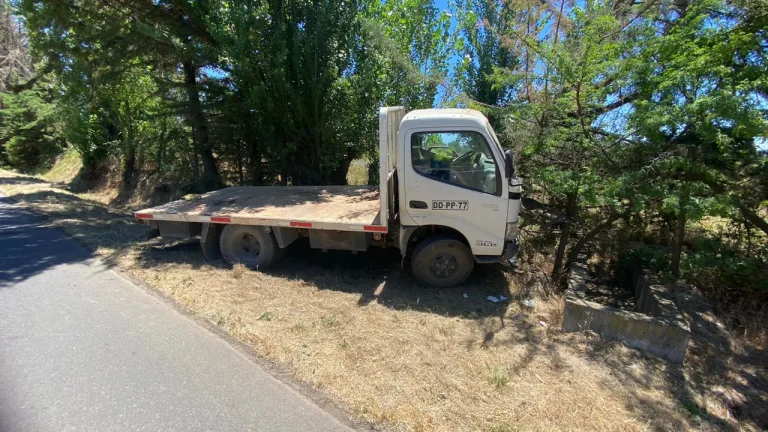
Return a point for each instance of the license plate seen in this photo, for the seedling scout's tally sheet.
(450, 205)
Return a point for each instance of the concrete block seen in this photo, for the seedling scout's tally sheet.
(657, 327)
(635, 329)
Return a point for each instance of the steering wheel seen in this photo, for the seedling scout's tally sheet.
(464, 156)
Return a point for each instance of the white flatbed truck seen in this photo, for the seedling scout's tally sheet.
(447, 197)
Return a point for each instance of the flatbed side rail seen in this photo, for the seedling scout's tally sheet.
(224, 219)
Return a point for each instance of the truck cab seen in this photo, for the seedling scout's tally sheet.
(456, 191)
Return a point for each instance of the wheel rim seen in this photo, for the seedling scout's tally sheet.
(444, 265)
(249, 248)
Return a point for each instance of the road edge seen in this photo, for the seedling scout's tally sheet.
(278, 372)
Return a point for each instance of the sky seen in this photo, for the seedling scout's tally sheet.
(442, 5)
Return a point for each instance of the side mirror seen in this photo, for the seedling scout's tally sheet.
(509, 164)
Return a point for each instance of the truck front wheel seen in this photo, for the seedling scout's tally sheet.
(442, 262)
(251, 246)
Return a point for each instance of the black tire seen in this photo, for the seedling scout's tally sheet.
(251, 246)
(442, 261)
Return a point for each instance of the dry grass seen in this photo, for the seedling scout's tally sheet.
(358, 172)
(394, 354)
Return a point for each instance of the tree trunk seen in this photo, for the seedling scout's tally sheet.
(373, 170)
(339, 175)
(254, 165)
(565, 233)
(240, 165)
(573, 255)
(129, 166)
(750, 215)
(195, 167)
(160, 155)
(210, 179)
(746, 212)
(677, 247)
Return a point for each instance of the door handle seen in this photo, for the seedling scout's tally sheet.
(417, 204)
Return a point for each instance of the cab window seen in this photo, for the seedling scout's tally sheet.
(460, 158)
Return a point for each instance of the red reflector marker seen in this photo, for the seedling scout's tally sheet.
(301, 224)
(143, 216)
(222, 219)
(375, 228)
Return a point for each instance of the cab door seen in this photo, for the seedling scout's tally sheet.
(454, 178)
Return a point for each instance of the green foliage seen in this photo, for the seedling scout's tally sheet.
(288, 93)
(723, 271)
(628, 110)
(30, 132)
(295, 85)
(484, 72)
(714, 266)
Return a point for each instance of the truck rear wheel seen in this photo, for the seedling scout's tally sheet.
(442, 262)
(251, 246)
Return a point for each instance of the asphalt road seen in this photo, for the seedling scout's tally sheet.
(83, 349)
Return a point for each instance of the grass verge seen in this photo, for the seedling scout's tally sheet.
(395, 355)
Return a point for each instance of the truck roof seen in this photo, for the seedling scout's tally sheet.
(442, 112)
(453, 115)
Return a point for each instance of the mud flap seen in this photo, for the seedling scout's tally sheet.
(209, 241)
(510, 251)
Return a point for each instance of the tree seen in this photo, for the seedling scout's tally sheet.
(102, 39)
(563, 114)
(405, 52)
(15, 59)
(29, 130)
(301, 81)
(30, 133)
(700, 104)
(484, 74)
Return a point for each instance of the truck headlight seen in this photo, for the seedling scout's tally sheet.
(512, 231)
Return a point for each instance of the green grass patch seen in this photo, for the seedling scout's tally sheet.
(65, 169)
(498, 376)
(358, 172)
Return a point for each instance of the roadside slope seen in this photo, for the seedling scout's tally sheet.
(357, 329)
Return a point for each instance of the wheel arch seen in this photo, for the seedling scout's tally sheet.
(411, 236)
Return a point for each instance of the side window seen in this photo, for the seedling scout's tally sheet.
(460, 158)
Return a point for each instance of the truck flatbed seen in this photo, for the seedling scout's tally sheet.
(343, 208)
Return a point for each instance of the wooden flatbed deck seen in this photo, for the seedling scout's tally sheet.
(349, 208)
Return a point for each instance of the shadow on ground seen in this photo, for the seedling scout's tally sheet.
(36, 227)
(378, 275)
(21, 180)
(27, 249)
(717, 374)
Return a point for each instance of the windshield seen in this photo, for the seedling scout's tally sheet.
(464, 159)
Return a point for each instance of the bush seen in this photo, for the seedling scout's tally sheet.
(29, 132)
(716, 268)
(27, 153)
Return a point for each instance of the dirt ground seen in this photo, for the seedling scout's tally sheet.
(400, 357)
